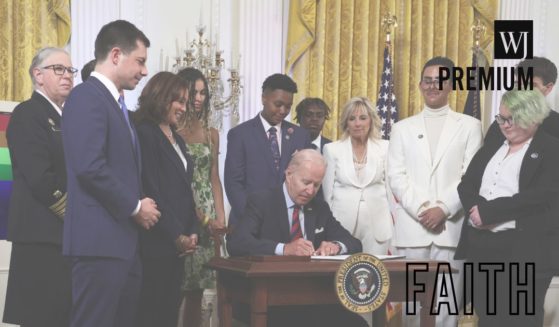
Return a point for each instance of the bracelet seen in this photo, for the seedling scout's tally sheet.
(206, 220)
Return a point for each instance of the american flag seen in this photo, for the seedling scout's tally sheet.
(387, 109)
(387, 106)
(472, 106)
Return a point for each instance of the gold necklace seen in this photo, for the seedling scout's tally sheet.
(168, 135)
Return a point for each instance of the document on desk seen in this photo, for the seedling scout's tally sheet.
(342, 257)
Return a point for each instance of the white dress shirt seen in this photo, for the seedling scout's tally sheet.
(500, 178)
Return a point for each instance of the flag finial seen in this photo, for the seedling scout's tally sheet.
(388, 22)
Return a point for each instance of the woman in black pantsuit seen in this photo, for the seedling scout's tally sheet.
(510, 191)
(166, 178)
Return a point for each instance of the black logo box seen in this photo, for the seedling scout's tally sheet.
(519, 29)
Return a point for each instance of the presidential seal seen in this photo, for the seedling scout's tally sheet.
(362, 283)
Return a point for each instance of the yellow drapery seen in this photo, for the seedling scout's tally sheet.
(25, 27)
(335, 48)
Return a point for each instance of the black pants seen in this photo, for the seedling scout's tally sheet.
(499, 261)
(161, 292)
(39, 286)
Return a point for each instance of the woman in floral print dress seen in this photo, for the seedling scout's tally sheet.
(203, 144)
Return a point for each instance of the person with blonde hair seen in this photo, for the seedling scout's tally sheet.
(354, 184)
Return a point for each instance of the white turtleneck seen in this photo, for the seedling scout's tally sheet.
(434, 123)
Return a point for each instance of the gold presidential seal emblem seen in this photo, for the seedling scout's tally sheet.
(362, 283)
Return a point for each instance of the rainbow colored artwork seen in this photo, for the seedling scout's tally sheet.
(5, 175)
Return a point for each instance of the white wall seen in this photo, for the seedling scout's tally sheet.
(544, 14)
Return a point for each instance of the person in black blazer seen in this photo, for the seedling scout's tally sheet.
(545, 77)
(39, 283)
(270, 225)
(510, 191)
(166, 178)
(311, 114)
(265, 228)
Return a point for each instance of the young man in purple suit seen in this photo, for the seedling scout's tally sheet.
(105, 208)
(259, 150)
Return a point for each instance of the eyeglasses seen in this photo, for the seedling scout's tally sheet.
(502, 120)
(428, 82)
(61, 69)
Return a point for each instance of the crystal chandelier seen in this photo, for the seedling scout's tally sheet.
(207, 58)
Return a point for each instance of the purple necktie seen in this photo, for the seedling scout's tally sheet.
(125, 113)
(273, 138)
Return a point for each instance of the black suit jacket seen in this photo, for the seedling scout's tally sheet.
(165, 180)
(38, 199)
(534, 207)
(550, 125)
(264, 224)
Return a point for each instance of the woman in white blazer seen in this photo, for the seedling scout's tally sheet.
(354, 184)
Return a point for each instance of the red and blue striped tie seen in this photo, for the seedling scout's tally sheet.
(296, 231)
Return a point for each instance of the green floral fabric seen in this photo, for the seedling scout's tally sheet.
(196, 275)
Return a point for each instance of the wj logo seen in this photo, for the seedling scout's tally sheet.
(513, 39)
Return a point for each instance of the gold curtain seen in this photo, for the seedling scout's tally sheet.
(25, 27)
(335, 48)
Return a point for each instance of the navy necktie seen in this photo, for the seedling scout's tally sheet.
(273, 138)
(125, 113)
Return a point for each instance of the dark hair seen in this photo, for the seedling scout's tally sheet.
(158, 94)
(306, 103)
(87, 69)
(121, 34)
(542, 68)
(279, 81)
(191, 75)
(438, 61)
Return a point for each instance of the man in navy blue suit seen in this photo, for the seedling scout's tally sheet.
(259, 150)
(105, 209)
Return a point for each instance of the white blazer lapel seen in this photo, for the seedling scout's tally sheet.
(347, 161)
(450, 130)
(372, 162)
(419, 135)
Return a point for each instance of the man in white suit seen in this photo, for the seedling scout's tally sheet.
(428, 154)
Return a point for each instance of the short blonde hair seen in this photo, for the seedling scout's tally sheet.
(358, 103)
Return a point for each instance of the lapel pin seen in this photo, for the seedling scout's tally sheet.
(420, 136)
(534, 155)
(52, 125)
(289, 132)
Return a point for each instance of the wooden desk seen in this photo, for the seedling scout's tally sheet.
(272, 281)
